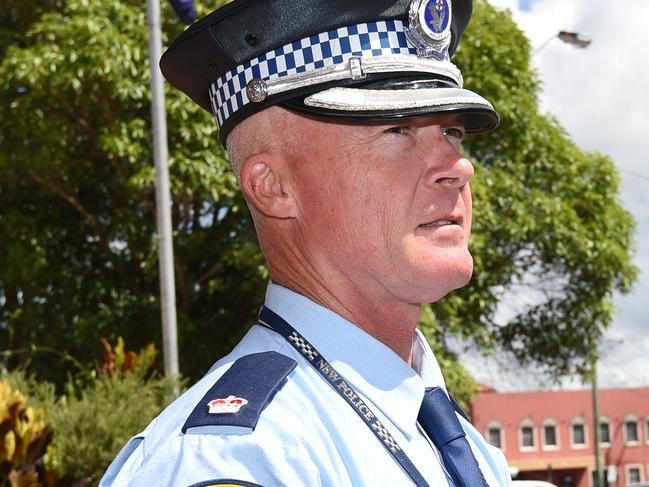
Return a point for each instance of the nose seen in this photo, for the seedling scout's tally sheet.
(458, 175)
(446, 166)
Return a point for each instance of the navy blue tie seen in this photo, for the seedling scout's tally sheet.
(440, 423)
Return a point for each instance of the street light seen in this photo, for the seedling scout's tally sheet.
(573, 38)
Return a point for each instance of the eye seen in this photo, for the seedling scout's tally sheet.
(454, 132)
(399, 129)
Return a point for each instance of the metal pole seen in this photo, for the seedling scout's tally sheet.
(599, 482)
(542, 46)
(162, 195)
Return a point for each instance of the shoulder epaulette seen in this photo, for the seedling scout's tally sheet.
(242, 393)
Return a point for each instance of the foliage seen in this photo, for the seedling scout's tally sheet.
(89, 423)
(549, 227)
(77, 221)
(92, 428)
(24, 439)
(117, 360)
(458, 380)
(40, 395)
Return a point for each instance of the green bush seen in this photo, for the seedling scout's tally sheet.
(99, 411)
(24, 440)
(89, 430)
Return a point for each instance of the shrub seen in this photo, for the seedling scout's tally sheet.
(91, 428)
(24, 439)
(100, 410)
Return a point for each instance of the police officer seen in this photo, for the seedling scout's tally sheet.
(343, 122)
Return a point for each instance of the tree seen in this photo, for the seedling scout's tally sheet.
(79, 259)
(548, 222)
(77, 222)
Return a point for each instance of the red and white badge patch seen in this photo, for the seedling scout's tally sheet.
(229, 405)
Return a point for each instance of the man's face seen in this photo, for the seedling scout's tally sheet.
(386, 206)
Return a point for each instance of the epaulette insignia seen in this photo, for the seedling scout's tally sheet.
(242, 393)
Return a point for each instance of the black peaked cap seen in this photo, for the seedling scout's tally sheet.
(245, 29)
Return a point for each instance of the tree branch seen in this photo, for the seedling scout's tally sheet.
(69, 198)
(72, 200)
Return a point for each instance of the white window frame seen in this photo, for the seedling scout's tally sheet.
(627, 470)
(606, 420)
(646, 434)
(632, 418)
(527, 423)
(578, 421)
(551, 422)
(499, 427)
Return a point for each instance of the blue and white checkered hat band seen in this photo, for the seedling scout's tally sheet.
(372, 39)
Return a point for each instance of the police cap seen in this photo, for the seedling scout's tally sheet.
(363, 60)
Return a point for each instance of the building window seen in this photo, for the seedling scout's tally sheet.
(578, 433)
(494, 436)
(605, 432)
(527, 433)
(526, 437)
(550, 437)
(633, 474)
(631, 436)
(631, 431)
(593, 478)
(550, 432)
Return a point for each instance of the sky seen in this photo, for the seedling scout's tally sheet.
(601, 97)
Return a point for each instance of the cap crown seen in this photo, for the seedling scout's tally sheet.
(245, 29)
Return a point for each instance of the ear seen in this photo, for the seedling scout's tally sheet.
(264, 179)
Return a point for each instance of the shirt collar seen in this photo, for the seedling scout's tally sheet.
(369, 366)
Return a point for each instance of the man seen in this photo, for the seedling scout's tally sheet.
(343, 123)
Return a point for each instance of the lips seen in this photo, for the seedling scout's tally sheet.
(450, 219)
(437, 223)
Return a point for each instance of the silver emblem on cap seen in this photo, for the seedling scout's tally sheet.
(257, 90)
(430, 28)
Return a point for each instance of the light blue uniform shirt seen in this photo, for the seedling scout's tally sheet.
(308, 434)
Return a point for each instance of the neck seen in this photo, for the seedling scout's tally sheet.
(391, 322)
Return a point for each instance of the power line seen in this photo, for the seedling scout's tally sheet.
(636, 174)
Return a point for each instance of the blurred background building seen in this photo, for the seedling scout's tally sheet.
(548, 435)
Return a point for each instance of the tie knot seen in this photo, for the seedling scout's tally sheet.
(438, 418)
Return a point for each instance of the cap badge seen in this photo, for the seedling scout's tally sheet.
(229, 405)
(430, 28)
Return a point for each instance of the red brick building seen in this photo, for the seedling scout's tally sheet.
(549, 435)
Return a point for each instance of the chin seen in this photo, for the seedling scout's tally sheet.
(442, 277)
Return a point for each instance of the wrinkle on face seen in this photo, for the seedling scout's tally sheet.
(361, 195)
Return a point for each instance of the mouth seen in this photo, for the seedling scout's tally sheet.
(438, 223)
